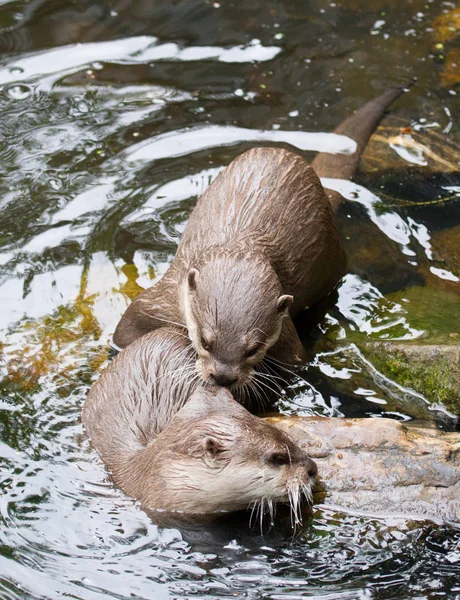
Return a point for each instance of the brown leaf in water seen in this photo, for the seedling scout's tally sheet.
(447, 27)
(56, 345)
(131, 288)
(451, 72)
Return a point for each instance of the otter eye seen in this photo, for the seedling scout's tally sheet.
(253, 351)
(206, 344)
(278, 459)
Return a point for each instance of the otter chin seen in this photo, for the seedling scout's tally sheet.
(176, 446)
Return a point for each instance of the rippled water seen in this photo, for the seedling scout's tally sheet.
(114, 117)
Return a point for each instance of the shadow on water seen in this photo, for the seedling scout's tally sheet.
(115, 116)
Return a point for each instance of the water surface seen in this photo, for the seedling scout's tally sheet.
(114, 117)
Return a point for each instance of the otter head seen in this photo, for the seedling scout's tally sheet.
(215, 456)
(233, 309)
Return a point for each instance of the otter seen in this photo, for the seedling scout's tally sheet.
(260, 246)
(176, 446)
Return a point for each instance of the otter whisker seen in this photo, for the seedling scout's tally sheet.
(264, 376)
(183, 354)
(269, 375)
(257, 508)
(261, 515)
(176, 380)
(184, 379)
(282, 367)
(270, 371)
(307, 492)
(290, 372)
(291, 509)
(268, 387)
(181, 325)
(296, 507)
(253, 385)
(272, 510)
(259, 397)
(257, 390)
(174, 372)
(240, 393)
(189, 367)
(280, 362)
(273, 371)
(254, 504)
(245, 389)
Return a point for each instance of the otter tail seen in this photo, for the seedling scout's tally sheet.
(359, 127)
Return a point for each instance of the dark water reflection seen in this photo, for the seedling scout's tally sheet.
(114, 117)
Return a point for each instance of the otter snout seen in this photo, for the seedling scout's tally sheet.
(223, 375)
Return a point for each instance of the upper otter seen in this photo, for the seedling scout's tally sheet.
(260, 245)
(243, 248)
(175, 446)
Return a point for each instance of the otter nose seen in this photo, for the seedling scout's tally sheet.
(224, 379)
(312, 468)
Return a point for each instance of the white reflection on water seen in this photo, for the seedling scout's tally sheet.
(368, 311)
(392, 225)
(389, 222)
(185, 141)
(51, 238)
(174, 191)
(103, 281)
(92, 199)
(47, 291)
(132, 50)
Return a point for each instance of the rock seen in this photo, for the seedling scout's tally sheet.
(355, 376)
(433, 312)
(431, 370)
(382, 466)
(396, 141)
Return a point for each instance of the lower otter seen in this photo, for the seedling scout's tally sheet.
(176, 446)
(260, 245)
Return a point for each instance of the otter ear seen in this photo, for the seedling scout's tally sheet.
(192, 278)
(212, 447)
(283, 304)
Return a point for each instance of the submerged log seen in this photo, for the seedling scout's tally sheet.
(382, 466)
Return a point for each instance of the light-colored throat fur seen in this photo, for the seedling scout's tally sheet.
(186, 308)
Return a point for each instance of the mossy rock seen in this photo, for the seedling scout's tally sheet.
(435, 312)
(431, 370)
(403, 348)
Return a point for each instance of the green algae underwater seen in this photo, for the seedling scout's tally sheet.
(115, 116)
